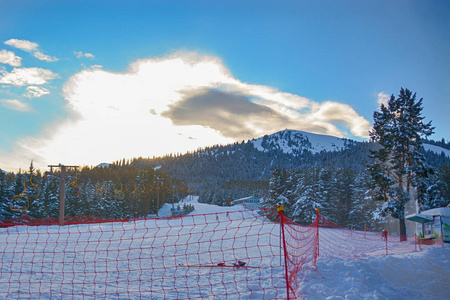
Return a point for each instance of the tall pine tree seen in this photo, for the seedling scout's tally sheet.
(398, 165)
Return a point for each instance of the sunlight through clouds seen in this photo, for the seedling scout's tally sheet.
(174, 104)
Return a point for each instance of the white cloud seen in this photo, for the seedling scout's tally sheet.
(8, 57)
(26, 76)
(383, 98)
(36, 92)
(22, 44)
(80, 54)
(15, 104)
(30, 47)
(44, 57)
(172, 104)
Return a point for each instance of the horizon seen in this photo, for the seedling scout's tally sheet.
(84, 82)
(131, 159)
(171, 153)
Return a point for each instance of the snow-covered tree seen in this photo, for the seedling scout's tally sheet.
(398, 165)
(307, 197)
(435, 190)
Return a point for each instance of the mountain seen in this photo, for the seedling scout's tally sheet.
(306, 171)
(257, 158)
(243, 169)
(436, 149)
(297, 142)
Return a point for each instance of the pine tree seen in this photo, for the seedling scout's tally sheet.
(398, 165)
(308, 197)
(435, 190)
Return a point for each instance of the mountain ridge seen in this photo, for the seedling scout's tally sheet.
(306, 141)
(244, 168)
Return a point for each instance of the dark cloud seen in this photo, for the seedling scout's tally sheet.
(232, 114)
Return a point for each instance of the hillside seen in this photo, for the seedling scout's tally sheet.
(256, 159)
(306, 171)
(240, 169)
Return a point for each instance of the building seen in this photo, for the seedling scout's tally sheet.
(433, 223)
(251, 202)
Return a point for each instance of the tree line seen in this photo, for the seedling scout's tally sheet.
(115, 191)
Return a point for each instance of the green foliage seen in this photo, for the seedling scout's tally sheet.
(112, 192)
(339, 194)
(399, 163)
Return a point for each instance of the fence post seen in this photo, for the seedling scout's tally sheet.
(286, 274)
(385, 235)
(415, 241)
(317, 238)
(62, 195)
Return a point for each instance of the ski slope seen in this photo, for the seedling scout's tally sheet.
(158, 259)
(417, 275)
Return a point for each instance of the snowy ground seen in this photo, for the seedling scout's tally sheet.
(418, 275)
(136, 260)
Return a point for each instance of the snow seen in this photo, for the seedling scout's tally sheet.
(200, 208)
(436, 149)
(440, 211)
(325, 142)
(314, 143)
(416, 275)
(317, 143)
(103, 165)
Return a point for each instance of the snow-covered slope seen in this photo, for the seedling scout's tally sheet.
(436, 149)
(143, 259)
(417, 275)
(295, 142)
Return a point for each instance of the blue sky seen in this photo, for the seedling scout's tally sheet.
(85, 82)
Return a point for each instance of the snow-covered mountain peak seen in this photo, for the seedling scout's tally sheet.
(296, 142)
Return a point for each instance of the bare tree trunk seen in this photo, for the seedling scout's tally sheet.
(402, 225)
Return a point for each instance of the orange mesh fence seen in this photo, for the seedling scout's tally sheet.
(230, 256)
(336, 241)
(219, 255)
(27, 219)
(301, 247)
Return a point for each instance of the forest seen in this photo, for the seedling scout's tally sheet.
(115, 191)
(337, 183)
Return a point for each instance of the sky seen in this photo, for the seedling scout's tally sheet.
(87, 82)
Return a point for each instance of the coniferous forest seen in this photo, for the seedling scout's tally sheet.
(336, 182)
(115, 191)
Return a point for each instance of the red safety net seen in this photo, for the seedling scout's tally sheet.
(240, 254)
(196, 256)
(27, 219)
(336, 241)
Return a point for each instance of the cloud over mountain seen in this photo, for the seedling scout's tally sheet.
(171, 104)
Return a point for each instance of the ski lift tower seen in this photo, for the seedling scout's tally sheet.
(62, 188)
